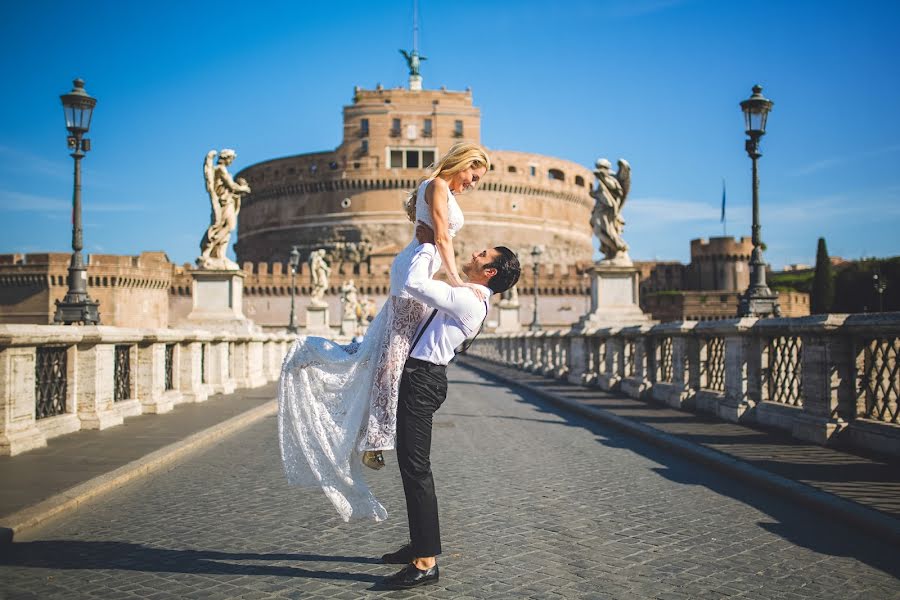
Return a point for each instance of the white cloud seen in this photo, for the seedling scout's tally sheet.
(827, 163)
(17, 201)
(17, 160)
(668, 210)
(815, 167)
(21, 202)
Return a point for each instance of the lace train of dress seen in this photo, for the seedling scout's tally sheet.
(324, 399)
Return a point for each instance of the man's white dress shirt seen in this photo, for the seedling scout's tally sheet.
(460, 312)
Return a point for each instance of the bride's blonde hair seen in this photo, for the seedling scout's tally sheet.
(459, 157)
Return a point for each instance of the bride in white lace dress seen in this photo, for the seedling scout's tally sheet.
(337, 403)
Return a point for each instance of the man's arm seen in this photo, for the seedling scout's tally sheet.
(458, 301)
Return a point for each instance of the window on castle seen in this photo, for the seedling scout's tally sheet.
(579, 180)
(426, 130)
(533, 169)
(364, 147)
(457, 128)
(511, 169)
(364, 128)
(556, 174)
(395, 128)
(411, 158)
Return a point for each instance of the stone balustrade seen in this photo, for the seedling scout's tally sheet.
(59, 379)
(828, 379)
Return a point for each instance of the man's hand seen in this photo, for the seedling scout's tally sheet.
(424, 233)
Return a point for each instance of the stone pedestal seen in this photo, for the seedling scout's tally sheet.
(615, 297)
(317, 321)
(18, 432)
(94, 386)
(508, 318)
(218, 302)
(348, 326)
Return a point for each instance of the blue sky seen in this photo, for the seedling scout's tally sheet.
(657, 82)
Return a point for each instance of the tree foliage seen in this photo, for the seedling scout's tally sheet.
(854, 290)
(822, 296)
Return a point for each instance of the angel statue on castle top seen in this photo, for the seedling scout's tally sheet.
(225, 197)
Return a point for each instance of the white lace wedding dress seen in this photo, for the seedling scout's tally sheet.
(336, 401)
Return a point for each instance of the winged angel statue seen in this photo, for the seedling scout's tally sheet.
(413, 59)
(606, 218)
(225, 197)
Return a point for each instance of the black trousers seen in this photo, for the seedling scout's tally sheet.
(423, 388)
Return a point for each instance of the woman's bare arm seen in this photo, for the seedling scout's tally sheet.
(437, 197)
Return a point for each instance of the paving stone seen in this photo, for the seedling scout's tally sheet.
(534, 503)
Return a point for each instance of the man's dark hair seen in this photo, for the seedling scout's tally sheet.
(508, 270)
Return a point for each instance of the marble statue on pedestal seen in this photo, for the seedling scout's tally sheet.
(318, 277)
(349, 300)
(225, 198)
(606, 218)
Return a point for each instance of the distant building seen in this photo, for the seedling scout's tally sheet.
(710, 287)
(133, 290)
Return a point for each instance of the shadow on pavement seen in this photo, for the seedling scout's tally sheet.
(90, 555)
(793, 522)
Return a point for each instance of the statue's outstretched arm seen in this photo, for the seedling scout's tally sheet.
(230, 183)
(209, 177)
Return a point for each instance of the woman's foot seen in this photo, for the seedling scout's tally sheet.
(373, 459)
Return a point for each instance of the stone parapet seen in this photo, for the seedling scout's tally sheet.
(826, 379)
(57, 379)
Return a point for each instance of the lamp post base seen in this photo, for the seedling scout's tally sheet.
(759, 303)
(70, 311)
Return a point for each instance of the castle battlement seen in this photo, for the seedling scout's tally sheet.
(721, 247)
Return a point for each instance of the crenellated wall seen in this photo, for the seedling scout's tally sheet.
(132, 290)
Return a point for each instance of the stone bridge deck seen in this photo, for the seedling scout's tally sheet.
(536, 501)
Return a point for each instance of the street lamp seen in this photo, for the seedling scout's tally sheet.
(880, 286)
(535, 259)
(293, 261)
(77, 306)
(758, 300)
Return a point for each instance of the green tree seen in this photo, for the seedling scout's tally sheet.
(822, 297)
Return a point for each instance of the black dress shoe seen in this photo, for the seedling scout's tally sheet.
(410, 576)
(403, 556)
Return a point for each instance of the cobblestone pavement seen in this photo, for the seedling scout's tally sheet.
(535, 503)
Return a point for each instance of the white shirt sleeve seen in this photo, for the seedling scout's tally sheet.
(460, 302)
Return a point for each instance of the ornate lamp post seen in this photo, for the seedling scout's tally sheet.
(535, 259)
(879, 285)
(77, 306)
(758, 300)
(293, 261)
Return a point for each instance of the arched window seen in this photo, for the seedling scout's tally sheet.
(556, 174)
(579, 180)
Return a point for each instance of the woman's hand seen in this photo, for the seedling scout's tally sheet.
(479, 292)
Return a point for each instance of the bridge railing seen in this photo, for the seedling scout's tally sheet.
(827, 379)
(59, 379)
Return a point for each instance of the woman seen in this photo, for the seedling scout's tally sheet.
(338, 405)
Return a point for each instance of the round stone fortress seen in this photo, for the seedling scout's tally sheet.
(356, 192)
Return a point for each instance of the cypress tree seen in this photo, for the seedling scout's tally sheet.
(823, 282)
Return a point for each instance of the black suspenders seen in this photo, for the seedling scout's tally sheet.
(422, 331)
(466, 343)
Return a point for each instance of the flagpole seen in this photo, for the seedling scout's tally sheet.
(724, 220)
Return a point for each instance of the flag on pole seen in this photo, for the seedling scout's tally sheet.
(722, 218)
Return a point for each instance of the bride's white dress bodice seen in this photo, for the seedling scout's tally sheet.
(401, 264)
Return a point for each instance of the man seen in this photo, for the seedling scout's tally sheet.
(458, 313)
